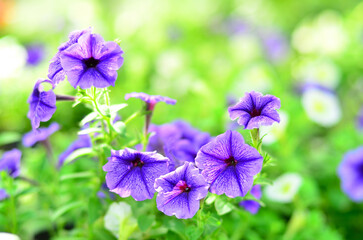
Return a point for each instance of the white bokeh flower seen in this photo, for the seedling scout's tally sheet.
(324, 34)
(321, 71)
(321, 107)
(244, 48)
(119, 219)
(8, 236)
(284, 188)
(276, 130)
(257, 77)
(13, 58)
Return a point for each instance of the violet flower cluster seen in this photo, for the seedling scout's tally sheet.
(181, 164)
(195, 163)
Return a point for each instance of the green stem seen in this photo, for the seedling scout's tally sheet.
(132, 117)
(104, 117)
(255, 136)
(200, 222)
(13, 206)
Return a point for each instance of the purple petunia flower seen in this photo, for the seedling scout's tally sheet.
(360, 119)
(252, 206)
(83, 141)
(229, 164)
(38, 135)
(131, 172)
(150, 100)
(10, 162)
(255, 110)
(179, 191)
(35, 54)
(92, 62)
(191, 141)
(3, 194)
(105, 193)
(41, 104)
(350, 172)
(162, 135)
(275, 44)
(55, 71)
(179, 141)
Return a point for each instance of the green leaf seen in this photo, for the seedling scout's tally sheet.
(158, 231)
(210, 199)
(65, 209)
(89, 130)
(176, 226)
(250, 197)
(90, 117)
(79, 153)
(94, 209)
(211, 225)
(9, 137)
(117, 107)
(263, 181)
(78, 175)
(102, 234)
(27, 191)
(222, 206)
(193, 232)
(270, 162)
(119, 127)
(145, 222)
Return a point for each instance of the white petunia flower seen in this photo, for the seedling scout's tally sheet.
(275, 131)
(284, 188)
(118, 219)
(321, 107)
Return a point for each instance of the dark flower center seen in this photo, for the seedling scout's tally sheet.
(137, 162)
(91, 62)
(183, 186)
(231, 161)
(255, 112)
(360, 169)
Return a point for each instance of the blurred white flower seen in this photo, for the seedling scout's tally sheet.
(171, 63)
(8, 236)
(324, 34)
(321, 71)
(321, 106)
(257, 77)
(119, 219)
(276, 130)
(88, 15)
(284, 188)
(13, 57)
(244, 48)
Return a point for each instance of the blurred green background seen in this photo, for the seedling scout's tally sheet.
(203, 54)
